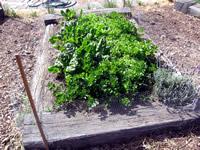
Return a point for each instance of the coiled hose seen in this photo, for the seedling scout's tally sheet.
(53, 4)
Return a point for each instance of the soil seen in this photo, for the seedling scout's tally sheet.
(20, 37)
(177, 36)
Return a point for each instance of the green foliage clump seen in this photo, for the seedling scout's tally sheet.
(101, 56)
(174, 89)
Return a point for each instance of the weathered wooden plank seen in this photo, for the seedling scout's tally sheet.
(195, 10)
(39, 85)
(124, 10)
(52, 19)
(183, 5)
(63, 130)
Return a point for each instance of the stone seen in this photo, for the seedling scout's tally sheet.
(195, 10)
(52, 19)
(183, 5)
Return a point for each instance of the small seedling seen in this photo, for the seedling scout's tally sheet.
(50, 10)
(26, 105)
(34, 14)
(140, 3)
(9, 11)
(48, 109)
(110, 4)
(127, 3)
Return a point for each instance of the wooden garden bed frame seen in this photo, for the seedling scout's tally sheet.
(191, 7)
(86, 130)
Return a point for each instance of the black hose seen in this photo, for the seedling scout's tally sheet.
(47, 4)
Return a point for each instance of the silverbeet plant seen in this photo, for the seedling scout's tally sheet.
(101, 57)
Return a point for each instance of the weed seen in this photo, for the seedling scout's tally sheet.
(34, 14)
(128, 3)
(25, 104)
(110, 4)
(140, 3)
(51, 10)
(9, 11)
(88, 6)
(48, 109)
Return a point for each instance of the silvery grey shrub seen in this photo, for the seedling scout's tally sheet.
(173, 89)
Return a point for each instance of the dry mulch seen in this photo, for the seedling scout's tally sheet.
(17, 36)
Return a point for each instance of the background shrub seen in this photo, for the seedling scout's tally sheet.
(100, 57)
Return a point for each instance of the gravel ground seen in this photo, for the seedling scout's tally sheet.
(22, 37)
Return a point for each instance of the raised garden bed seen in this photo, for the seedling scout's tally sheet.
(75, 129)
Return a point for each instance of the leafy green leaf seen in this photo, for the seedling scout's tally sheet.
(54, 69)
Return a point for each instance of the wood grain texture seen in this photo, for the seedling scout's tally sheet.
(125, 11)
(183, 5)
(84, 130)
(39, 86)
(194, 10)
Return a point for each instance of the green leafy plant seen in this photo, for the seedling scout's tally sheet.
(101, 56)
(174, 89)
